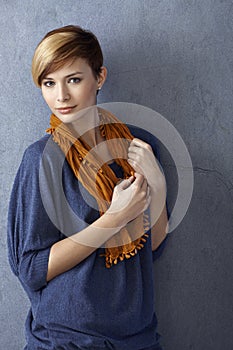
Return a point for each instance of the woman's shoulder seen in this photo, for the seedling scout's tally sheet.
(30, 161)
(37, 147)
(44, 147)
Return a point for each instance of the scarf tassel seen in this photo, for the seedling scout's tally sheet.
(110, 261)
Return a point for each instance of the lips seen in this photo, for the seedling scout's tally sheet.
(65, 110)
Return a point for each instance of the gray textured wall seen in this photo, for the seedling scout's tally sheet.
(173, 56)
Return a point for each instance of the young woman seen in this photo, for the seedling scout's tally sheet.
(79, 235)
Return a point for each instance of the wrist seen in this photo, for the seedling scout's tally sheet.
(157, 184)
(114, 219)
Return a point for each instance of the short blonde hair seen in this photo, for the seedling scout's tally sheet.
(62, 45)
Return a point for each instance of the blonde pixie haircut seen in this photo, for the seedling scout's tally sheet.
(62, 45)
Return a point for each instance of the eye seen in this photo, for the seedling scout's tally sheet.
(48, 83)
(74, 80)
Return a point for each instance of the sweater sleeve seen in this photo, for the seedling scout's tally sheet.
(30, 231)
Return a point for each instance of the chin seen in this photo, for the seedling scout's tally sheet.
(66, 118)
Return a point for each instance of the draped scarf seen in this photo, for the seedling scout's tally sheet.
(99, 179)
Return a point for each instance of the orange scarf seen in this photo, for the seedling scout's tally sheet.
(100, 180)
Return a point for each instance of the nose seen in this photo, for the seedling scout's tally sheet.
(63, 94)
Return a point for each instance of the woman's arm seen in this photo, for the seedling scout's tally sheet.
(130, 198)
(69, 252)
(159, 230)
(142, 159)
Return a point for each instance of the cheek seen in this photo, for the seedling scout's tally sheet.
(91, 90)
(90, 87)
(48, 98)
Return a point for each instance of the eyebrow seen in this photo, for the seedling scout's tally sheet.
(67, 76)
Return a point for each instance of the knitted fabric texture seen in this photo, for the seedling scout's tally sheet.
(99, 179)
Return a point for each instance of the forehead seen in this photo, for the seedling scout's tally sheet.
(77, 65)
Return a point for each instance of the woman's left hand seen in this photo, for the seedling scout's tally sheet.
(142, 159)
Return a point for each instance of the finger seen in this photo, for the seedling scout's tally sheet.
(136, 159)
(139, 178)
(134, 150)
(132, 162)
(125, 183)
(131, 154)
(136, 156)
(139, 143)
(138, 168)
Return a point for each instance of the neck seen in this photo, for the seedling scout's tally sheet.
(86, 125)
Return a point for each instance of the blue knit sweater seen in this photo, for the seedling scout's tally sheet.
(89, 306)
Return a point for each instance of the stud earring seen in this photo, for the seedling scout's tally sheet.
(99, 88)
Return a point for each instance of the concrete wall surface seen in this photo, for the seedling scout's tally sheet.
(175, 57)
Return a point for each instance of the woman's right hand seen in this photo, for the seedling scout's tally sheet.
(130, 198)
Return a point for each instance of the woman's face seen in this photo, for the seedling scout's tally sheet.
(71, 89)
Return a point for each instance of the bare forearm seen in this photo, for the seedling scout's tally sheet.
(70, 251)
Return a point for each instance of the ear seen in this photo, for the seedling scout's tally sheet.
(102, 77)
